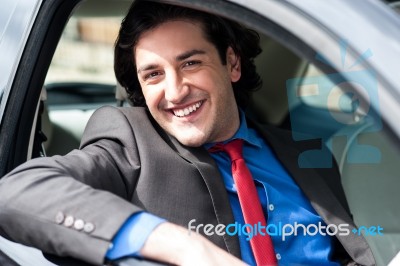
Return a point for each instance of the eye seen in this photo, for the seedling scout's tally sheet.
(192, 63)
(152, 75)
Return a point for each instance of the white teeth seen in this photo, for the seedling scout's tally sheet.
(187, 110)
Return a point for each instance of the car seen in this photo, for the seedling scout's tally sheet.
(330, 72)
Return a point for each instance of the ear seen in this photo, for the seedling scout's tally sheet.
(233, 64)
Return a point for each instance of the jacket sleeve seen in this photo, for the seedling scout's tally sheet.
(73, 205)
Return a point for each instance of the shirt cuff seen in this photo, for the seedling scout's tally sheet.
(132, 235)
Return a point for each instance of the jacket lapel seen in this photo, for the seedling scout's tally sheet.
(208, 169)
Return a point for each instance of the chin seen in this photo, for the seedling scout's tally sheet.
(191, 140)
(188, 136)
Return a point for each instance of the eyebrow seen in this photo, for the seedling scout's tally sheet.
(180, 57)
(147, 67)
(188, 54)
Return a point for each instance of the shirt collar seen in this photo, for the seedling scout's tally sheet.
(243, 132)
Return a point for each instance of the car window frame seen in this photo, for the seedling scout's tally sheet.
(27, 85)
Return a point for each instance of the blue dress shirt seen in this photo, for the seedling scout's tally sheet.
(130, 239)
(282, 200)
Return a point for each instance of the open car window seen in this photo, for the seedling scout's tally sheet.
(85, 52)
(80, 78)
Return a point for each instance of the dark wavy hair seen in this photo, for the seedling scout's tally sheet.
(222, 33)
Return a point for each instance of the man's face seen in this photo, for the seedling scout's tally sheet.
(186, 87)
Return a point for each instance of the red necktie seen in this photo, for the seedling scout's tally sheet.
(262, 246)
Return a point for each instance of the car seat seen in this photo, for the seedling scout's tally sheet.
(368, 161)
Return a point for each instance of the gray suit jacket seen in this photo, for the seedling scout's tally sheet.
(126, 163)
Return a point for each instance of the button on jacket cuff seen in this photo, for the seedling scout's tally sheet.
(131, 237)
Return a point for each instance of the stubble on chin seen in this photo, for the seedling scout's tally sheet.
(188, 138)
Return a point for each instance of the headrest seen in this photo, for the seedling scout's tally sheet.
(121, 95)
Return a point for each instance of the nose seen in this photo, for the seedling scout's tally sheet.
(176, 88)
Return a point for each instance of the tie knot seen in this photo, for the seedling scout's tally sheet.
(233, 149)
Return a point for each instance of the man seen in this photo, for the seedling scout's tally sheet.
(143, 174)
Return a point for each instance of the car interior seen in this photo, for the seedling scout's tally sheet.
(78, 82)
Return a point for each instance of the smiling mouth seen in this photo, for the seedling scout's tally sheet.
(187, 110)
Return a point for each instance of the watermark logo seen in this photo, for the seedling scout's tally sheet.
(336, 105)
(281, 230)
